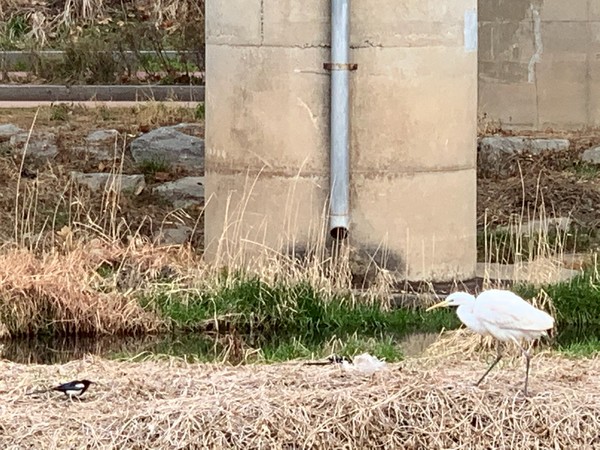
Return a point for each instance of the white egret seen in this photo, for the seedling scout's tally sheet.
(502, 315)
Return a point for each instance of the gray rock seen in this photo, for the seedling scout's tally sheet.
(184, 192)
(41, 144)
(169, 145)
(107, 181)
(591, 155)
(516, 144)
(8, 130)
(497, 153)
(101, 136)
(101, 144)
(178, 235)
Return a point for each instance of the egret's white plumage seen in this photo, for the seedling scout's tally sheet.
(502, 315)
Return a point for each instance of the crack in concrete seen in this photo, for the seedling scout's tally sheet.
(537, 42)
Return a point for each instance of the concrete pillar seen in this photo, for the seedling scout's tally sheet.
(413, 119)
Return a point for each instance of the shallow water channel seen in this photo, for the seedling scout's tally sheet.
(208, 348)
(59, 350)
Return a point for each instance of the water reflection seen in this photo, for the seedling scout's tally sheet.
(206, 347)
(59, 350)
(231, 347)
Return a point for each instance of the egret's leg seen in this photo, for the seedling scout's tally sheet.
(498, 358)
(527, 360)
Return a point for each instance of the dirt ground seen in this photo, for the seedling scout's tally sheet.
(558, 181)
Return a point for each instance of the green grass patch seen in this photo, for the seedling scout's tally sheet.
(279, 322)
(577, 301)
(211, 347)
(151, 167)
(585, 170)
(286, 321)
(253, 307)
(582, 349)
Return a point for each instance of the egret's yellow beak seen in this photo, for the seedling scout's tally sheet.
(441, 304)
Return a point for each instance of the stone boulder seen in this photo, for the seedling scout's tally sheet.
(100, 144)
(176, 235)
(591, 155)
(183, 193)
(8, 130)
(42, 145)
(497, 154)
(169, 145)
(134, 184)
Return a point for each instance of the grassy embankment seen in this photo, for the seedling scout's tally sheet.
(77, 265)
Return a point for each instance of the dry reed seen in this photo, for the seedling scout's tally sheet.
(63, 291)
(46, 18)
(169, 404)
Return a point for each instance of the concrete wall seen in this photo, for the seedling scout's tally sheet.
(413, 131)
(538, 63)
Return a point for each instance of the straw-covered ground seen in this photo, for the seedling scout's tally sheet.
(427, 403)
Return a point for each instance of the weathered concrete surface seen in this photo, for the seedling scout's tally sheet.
(413, 131)
(539, 272)
(539, 227)
(520, 144)
(538, 63)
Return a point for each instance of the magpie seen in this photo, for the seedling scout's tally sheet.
(333, 359)
(74, 388)
(71, 389)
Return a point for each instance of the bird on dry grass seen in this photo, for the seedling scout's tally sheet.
(502, 315)
(71, 389)
(74, 388)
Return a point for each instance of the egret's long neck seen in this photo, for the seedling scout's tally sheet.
(465, 310)
(466, 305)
(465, 314)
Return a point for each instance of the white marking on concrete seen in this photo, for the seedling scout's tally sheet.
(470, 30)
(537, 42)
(314, 119)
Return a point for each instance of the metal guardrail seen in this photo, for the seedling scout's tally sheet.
(101, 93)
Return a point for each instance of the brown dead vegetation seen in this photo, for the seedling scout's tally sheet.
(413, 405)
(63, 293)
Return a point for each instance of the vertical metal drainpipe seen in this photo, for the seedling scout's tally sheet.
(339, 208)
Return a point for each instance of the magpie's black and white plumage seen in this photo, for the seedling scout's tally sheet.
(333, 359)
(74, 388)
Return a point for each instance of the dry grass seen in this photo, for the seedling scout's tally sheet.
(48, 17)
(415, 405)
(463, 343)
(63, 292)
